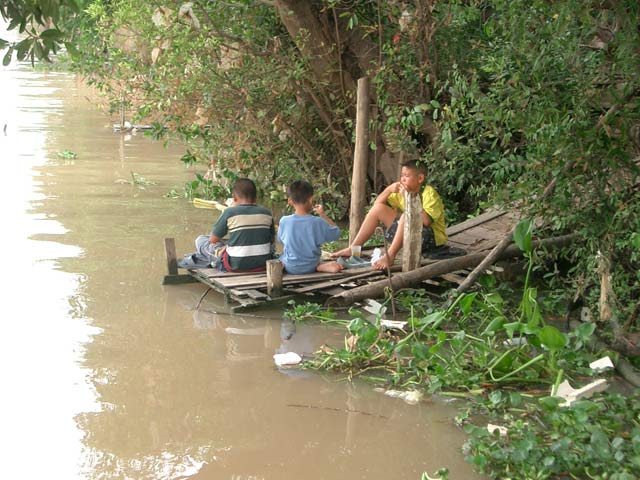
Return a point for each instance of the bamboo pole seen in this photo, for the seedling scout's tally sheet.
(360, 156)
(412, 235)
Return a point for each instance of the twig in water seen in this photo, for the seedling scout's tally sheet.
(202, 297)
(346, 410)
(392, 293)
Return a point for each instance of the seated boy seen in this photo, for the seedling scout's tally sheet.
(251, 233)
(385, 210)
(302, 234)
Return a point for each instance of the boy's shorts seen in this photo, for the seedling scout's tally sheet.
(213, 252)
(428, 239)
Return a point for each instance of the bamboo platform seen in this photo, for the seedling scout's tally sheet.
(246, 291)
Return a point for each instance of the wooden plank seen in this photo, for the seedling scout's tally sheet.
(332, 283)
(483, 232)
(238, 293)
(178, 279)
(260, 281)
(472, 222)
(256, 295)
(264, 304)
(453, 278)
(170, 254)
(465, 238)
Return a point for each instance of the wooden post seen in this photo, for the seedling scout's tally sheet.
(412, 238)
(274, 278)
(360, 157)
(170, 253)
(172, 277)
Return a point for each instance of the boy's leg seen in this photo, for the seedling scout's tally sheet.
(329, 267)
(211, 251)
(392, 250)
(379, 213)
(428, 239)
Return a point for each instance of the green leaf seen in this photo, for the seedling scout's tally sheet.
(7, 57)
(22, 48)
(551, 338)
(522, 234)
(493, 326)
(51, 34)
(466, 301)
(433, 320)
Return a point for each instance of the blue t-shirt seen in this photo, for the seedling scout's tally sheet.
(302, 236)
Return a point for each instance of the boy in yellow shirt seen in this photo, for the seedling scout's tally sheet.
(391, 202)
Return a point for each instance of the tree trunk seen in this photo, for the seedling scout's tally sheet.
(409, 279)
(301, 21)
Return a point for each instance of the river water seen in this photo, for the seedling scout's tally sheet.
(107, 374)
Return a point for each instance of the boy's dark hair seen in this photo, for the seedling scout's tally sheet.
(300, 191)
(245, 188)
(416, 165)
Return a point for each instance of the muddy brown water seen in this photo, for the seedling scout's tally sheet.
(107, 374)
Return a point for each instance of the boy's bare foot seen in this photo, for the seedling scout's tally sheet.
(329, 267)
(345, 252)
(382, 263)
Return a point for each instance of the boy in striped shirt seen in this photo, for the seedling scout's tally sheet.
(250, 229)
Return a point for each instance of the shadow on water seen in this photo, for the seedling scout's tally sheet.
(168, 391)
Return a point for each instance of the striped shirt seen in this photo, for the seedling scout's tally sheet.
(251, 231)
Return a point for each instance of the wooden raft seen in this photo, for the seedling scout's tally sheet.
(249, 290)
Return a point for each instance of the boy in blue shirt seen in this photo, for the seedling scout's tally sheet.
(302, 234)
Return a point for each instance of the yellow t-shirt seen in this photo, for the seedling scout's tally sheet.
(432, 204)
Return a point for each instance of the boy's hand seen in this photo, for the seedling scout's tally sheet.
(396, 187)
(319, 209)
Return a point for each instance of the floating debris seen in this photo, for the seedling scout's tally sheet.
(501, 430)
(393, 324)
(570, 394)
(601, 364)
(412, 397)
(287, 359)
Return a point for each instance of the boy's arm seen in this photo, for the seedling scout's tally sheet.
(219, 229)
(431, 206)
(319, 209)
(426, 218)
(395, 187)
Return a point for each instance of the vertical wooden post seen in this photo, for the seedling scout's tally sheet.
(360, 157)
(412, 238)
(274, 278)
(170, 253)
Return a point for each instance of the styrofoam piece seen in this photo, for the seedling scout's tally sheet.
(570, 394)
(412, 397)
(515, 341)
(289, 358)
(502, 430)
(373, 307)
(601, 364)
(393, 324)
